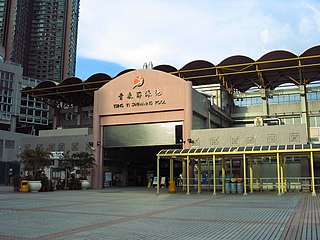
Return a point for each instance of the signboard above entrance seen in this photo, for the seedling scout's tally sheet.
(142, 91)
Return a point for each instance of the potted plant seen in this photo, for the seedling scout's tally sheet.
(68, 165)
(16, 183)
(74, 182)
(84, 162)
(34, 161)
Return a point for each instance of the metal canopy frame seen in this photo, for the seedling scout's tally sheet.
(235, 73)
(279, 151)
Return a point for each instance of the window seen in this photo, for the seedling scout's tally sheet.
(313, 96)
(285, 98)
(291, 121)
(9, 144)
(251, 101)
(315, 121)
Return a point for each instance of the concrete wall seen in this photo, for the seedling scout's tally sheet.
(250, 136)
(72, 140)
(66, 132)
(10, 146)
(200, 106)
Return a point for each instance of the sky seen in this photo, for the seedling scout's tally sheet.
(122, 34)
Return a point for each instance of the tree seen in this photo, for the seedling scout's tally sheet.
(84, 161)
(35, 161)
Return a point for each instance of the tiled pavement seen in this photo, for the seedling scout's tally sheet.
(138, 213)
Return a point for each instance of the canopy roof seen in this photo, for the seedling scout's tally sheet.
(234, 73)
(298, 149)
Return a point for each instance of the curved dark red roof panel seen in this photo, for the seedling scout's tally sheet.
(72, 89)
(96, 81)
(239, 71)
(167, 68)
(199, 72)
(27, 88)
(315, 50)
(46, 84)
(98, 77)
(237, 60)
(123, 72)
(71, 81)
(277, 55)
(45, 88)
(278, 67)
(310, 62)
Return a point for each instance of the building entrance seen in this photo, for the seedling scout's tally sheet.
(134, 166)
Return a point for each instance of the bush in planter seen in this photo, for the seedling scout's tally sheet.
(74, 183)
(84, 161)
(34, 161)
(67, 164)
(16, 183)
(46, 184)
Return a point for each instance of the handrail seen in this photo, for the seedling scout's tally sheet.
(290, 183)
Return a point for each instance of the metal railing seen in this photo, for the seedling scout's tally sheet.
(259, 184)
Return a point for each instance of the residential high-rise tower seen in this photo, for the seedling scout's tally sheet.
(41, 36)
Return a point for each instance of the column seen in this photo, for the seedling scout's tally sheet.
(281, 174)
(223, 174)
(184, 175)
(312, 175)
(199, 175)
(214, 174)
(188, 176)
(278, 174)
(158, 175)
(244, 175)
(251, 175)
(171, 169)
(304, 109)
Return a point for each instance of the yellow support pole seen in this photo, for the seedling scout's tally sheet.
(214, 174)
(257, 170)
(223, 174)
(199, 176)
(251, 175)
(278, 174)
(312, 175)
(281, 174)
(284, 170)
(188, 176)
(244, 175)
(257, 174)
(184, 175)
(171, 170)
(158, 175)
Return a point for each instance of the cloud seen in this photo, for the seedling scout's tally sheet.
(131, 32)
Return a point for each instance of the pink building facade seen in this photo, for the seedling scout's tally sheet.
(138, 98)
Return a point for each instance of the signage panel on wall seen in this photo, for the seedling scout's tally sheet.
(142, 91)
(141, 134)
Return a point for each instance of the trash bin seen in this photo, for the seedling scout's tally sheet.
(227, 185)
(24, 186)
(233, 187)
(239, 187)
(172, 187)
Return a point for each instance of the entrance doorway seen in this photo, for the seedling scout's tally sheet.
(134, 166)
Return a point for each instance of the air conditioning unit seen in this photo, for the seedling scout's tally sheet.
(258, 122)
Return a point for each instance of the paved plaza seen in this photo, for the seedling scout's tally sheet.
(138, 213)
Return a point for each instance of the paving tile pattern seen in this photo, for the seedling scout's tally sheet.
(139, 213)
